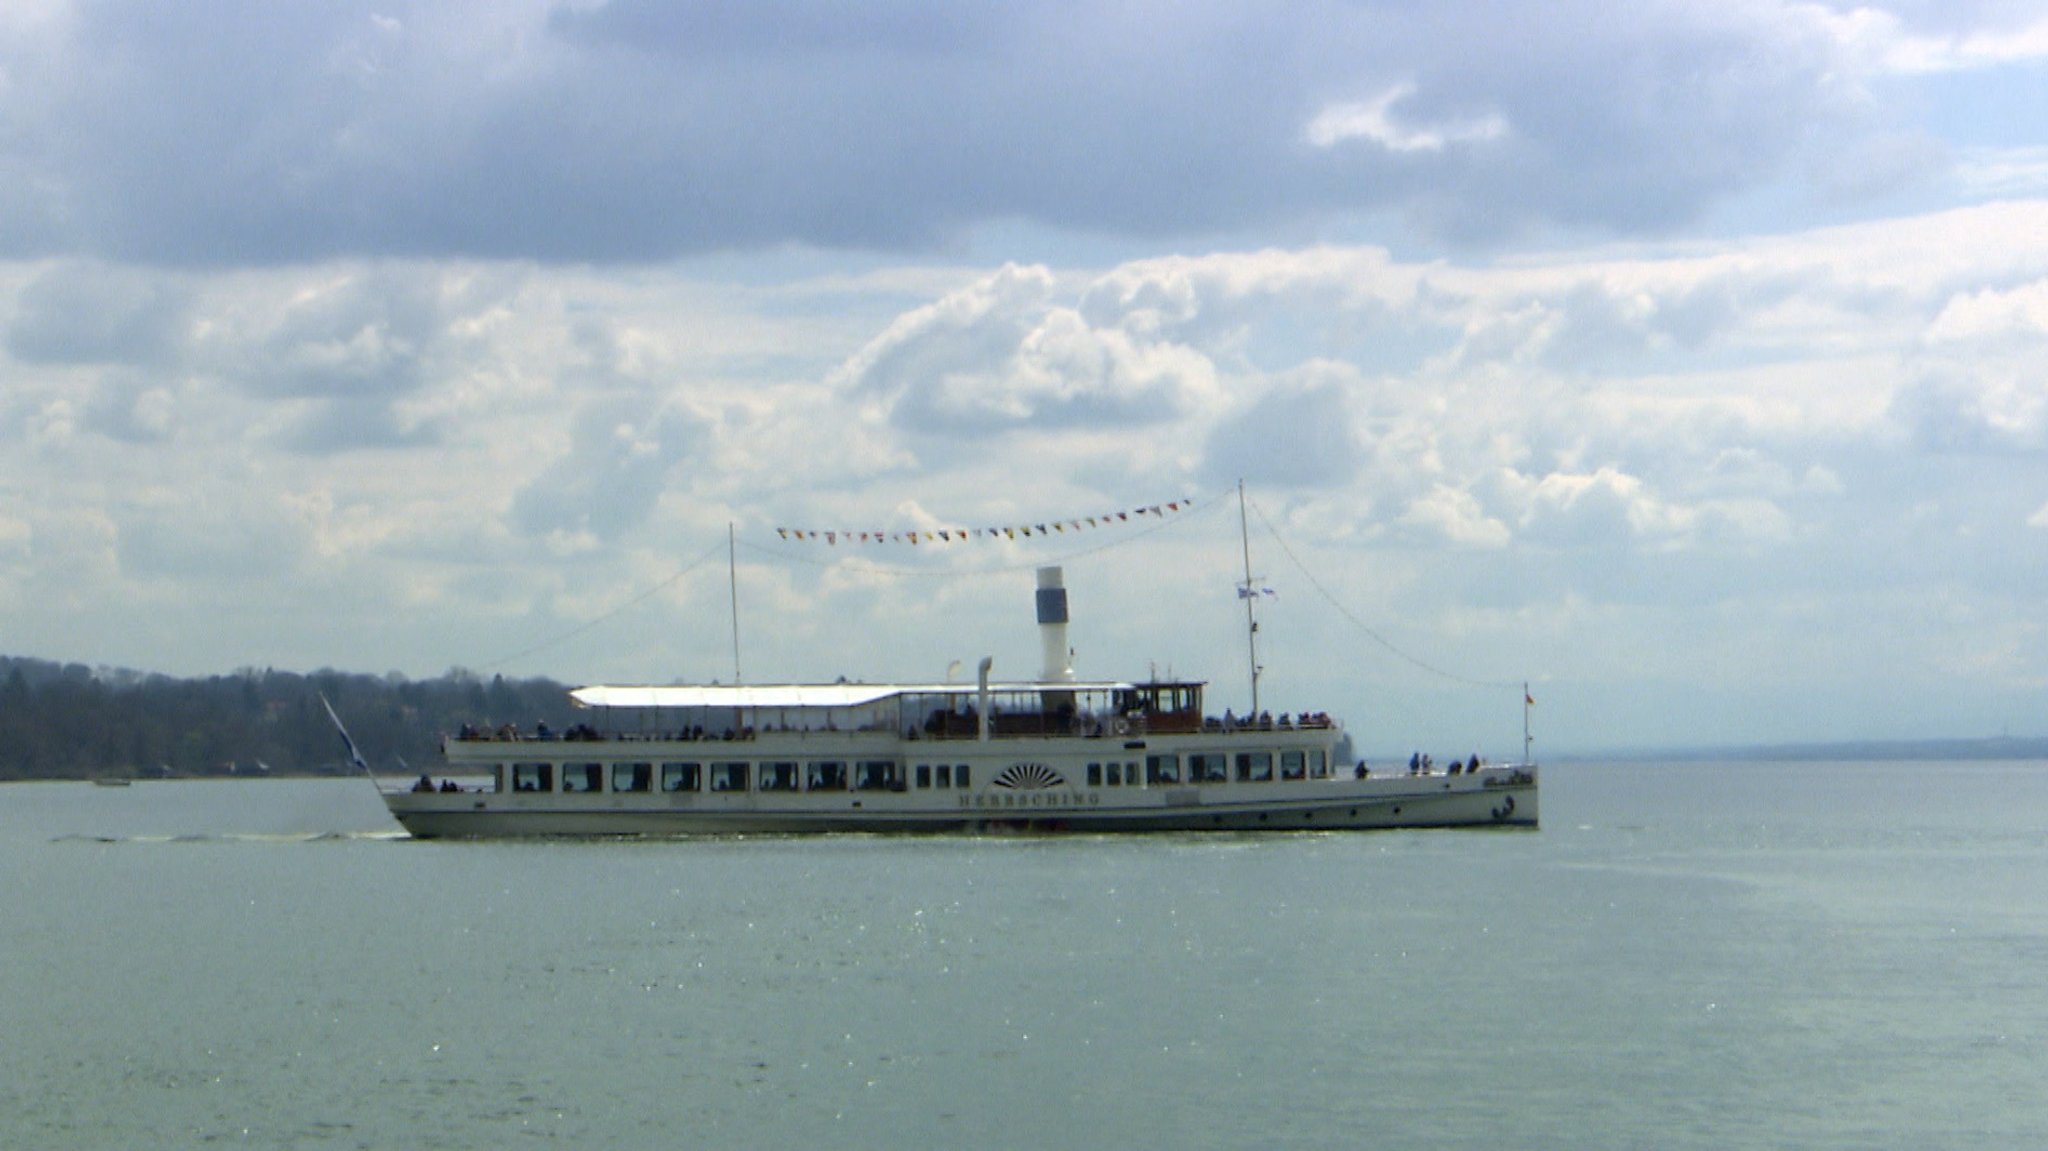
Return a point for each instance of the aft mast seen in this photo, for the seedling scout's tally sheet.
(1528, 701)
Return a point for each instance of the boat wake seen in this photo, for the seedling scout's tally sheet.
(379, 834)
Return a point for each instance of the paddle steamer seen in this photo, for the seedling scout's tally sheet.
(1050, 754)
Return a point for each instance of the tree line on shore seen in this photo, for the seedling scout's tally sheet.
(69, 721)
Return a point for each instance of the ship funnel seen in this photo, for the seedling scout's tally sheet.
(1052, 627)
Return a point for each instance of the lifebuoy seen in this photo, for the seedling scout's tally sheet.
(1121, 726)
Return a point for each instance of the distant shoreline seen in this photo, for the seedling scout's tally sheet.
(1886, 750)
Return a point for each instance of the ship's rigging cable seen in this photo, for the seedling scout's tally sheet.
(1395, 649)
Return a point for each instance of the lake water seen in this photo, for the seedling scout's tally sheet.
(1684, 956)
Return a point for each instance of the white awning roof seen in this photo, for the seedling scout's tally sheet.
(800, 695)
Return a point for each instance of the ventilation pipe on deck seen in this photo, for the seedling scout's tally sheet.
(1052, 627)
(981, 701)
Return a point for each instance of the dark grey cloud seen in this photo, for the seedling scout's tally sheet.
(614, 472)
(1301, 433)
(133, 408)
(90, 313)
(352, 349)
(351, 423)
(369, 335)
(1945, 415)
(250, 132)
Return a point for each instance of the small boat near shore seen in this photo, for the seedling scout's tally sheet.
(1050, 754)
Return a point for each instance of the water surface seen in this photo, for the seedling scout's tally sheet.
(1694, 955)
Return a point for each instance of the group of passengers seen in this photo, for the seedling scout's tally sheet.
(510, 733)
(1264, 721)
(1420, 764)
(583, 733)
(696, 734)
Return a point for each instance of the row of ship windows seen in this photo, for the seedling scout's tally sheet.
(735, 775)
(1252, 767)
(888, 775)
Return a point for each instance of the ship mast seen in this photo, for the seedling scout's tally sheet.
(732, 583)
(1528, 701)
(1248, 592)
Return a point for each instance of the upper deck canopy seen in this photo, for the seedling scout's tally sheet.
(807, 695)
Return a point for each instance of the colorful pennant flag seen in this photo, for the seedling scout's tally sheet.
(952, 535)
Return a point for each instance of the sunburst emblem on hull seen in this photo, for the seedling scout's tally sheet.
(1028, 777)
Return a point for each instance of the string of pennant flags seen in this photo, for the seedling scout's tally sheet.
(919, 536)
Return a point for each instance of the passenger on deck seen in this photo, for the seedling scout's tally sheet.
(424, 784)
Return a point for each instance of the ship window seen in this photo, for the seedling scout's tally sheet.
(728, 777)
(1116, 775)
(632, 776)
(945, 775)
(878, 775)
(1254, 766)
(582, 777)
(1094, 775)
(825, 775)
(1208, 767)
(1292, 765)
(1162, 769)
(533, 777)
(682, 776)
(778, 777)
(924, 776)
(960, 776)
(1318, 765)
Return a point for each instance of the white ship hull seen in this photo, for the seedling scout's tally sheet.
(1064, 800)
(1427, 801)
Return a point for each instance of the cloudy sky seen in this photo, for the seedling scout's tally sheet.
(1683, 359)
